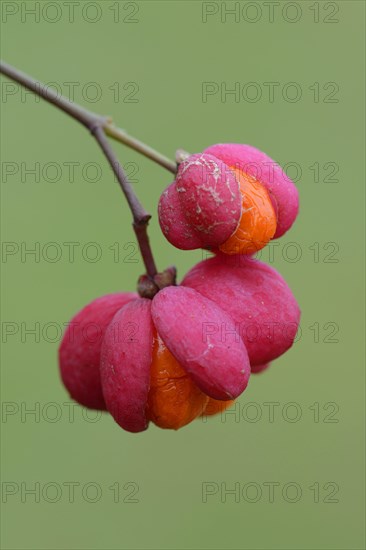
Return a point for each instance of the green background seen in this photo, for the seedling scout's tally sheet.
(168, 53)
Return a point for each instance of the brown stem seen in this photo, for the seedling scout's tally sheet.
(145, 249)
(86, 117)
(139, 213)
(97, 124)
(75, 111)
(140, 216)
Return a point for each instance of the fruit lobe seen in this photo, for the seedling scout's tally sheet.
(210, 197)
(79, 352)
(173, 223)
(256, 298)
(202, 338)
(202, 208)
(255, 163)
(257, 369)
(125, 364)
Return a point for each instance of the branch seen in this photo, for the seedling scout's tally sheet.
(98, 125)
(85, 117)
(139, 146)
(140, 216)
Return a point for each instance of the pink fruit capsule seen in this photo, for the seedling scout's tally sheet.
(203, 340)
(125, 364)
(256, 298)
(79, 353)
(255, 163)
(205, 207)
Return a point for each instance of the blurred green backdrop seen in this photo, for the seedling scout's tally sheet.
(293, 449)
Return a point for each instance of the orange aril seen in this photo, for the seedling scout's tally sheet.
(215, 406)
(174, 399)
(258, 221)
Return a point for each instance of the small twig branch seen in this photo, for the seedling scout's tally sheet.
(139, 213)
(140, 216)
(139, 146)
(99, 126)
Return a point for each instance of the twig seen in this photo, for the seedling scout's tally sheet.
(140, 216)
(86, 117)
(99, 126)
